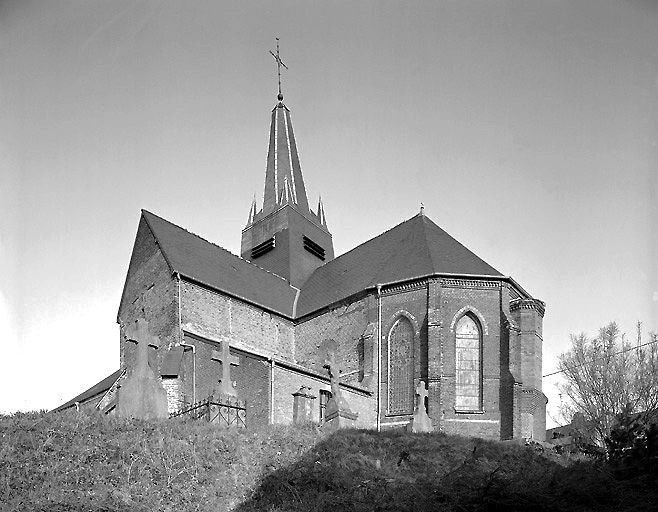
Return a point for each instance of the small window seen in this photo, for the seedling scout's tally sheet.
(324, 399)
(468, 365)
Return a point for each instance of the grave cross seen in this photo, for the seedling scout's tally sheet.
(334, 372)
(138, 332)
(224, 356)
(421, 394)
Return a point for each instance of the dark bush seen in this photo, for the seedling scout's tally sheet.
(633, 444)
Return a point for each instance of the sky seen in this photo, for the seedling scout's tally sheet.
(528, 129)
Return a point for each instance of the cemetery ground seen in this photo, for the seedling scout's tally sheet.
(76, 461)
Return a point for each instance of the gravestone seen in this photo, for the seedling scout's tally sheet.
(302, 409)
(227, 360)
(420, 421)
(338, 413)
(141, 394)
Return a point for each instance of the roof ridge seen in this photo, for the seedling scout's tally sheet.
(214, 244)
(426, 242)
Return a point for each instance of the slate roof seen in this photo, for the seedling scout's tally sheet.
(97, 389)
(211, 265)
(412, 249)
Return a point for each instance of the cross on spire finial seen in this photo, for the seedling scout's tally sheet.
(279, 63)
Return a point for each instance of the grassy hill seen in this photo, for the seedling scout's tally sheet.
(70, 461)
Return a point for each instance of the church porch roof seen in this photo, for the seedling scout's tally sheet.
(96, 390)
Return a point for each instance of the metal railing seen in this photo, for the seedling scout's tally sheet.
(225, 410)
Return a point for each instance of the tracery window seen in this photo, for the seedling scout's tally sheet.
(468, 368)
(400, 367)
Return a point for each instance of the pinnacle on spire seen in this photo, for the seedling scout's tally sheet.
(252, 211)
(321, 216)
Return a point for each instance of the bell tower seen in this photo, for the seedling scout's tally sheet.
(285, 236)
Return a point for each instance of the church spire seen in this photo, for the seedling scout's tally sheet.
(283, 164)
(285, 236)
(283, 176)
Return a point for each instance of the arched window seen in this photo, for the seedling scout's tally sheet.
(401, 367)
(468, 368)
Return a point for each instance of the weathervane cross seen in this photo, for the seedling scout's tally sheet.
(279, 63)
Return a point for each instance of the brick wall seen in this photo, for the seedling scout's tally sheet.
(528, 315)
(249, 379)
(150, 292)
(433, 307)
(481, 299)
(214, 315)
(175, 396)
(410, 302)
(287, 381)
(532, 408)
(347, 326)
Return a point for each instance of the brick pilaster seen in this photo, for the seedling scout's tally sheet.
(434, 353)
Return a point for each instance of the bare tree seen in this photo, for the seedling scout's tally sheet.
(606, 376)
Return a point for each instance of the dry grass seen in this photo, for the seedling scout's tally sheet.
(85, 462)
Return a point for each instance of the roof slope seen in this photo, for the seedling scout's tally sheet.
(207, 263)
(415, 248)
(96, 389)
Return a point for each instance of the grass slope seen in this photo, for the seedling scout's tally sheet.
(70, 461)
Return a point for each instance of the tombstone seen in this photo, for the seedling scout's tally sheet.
(302, 409)
(227, 360)
(420, 421)
(338, 413)
(141, 394)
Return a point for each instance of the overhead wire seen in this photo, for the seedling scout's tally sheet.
(655, 340)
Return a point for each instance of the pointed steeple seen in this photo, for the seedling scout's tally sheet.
(283, 164)
(285, 236)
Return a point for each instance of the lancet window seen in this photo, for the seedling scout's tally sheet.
(400, 367)
(468, 371)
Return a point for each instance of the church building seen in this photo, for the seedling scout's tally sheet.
(412, 305)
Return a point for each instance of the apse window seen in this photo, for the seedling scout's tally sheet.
(401, 367)
(468, 365)
(313, 248)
